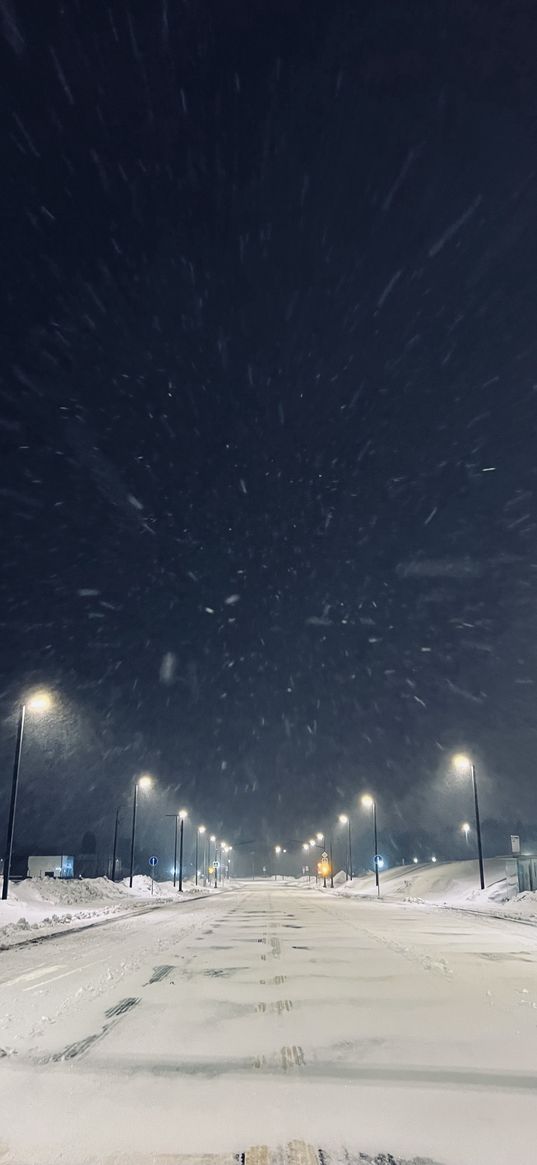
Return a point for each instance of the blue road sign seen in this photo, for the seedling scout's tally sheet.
(153, 861)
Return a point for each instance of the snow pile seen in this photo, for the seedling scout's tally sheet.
(454, 884)
(28, 908)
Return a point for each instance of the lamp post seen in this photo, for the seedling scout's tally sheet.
(369, 802)
(200, 831)
(345, 820)
(114, 851)
(176, 818)
(463, 764)
(39, 702)
(213, 838)
(143, 782)
(182, 817)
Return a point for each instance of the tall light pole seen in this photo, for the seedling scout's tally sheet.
(114, 851)
(143, 782)
(369, 802)
(463, 764)
(39, 702)
(199, 832)
(176, 820)
(213, 838)
(345, 820)
(182, 817)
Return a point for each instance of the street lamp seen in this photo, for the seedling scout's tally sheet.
(182, 818)
(39, 702)
(199, 833)
(143, 782)
(345, 820)
(464, 765)
(465, 828)
(369, 802)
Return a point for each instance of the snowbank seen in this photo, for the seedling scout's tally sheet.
(454, 884)
(28, 908)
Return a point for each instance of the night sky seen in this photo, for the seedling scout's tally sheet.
(268, 410)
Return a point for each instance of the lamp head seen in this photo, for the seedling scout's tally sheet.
(39, 702)
(367, 801)
(343, 819)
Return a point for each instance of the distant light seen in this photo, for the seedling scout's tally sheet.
(379, 862)
(466, 828)
(213, 837)
(320, 836)
(277, 849)
(461, 762)
(415, 860)
(433, 859)
(312, 841)
(183, 814)
(305, 846)
(367, 801)
(201, 829)
(343, 819)
(39, 702)
(145, 781)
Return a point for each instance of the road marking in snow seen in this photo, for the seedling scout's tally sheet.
(39, 971)
(64, 975)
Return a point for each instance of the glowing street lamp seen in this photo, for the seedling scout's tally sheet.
(465, 828)
(345, 820)
(37, 703)
(277, 849)
(464, 765)
(369, 802)
(143, 782)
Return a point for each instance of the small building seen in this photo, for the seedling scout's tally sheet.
(57, 866)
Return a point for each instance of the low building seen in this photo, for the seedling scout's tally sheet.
(55, 866)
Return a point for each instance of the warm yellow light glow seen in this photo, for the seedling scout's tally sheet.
(367, 801)
(343, 819)
(145, 781)
(39, 702)
(461, 762)
(183, 814)
(277, 849)
(201, 829)
(323, 869)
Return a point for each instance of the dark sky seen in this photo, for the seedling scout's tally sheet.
(268, 407)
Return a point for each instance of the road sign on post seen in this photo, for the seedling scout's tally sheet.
(153, 861)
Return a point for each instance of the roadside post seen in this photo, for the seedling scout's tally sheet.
(152, 863)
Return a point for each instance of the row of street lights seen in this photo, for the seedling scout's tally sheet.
(41, 702)
(462, 764)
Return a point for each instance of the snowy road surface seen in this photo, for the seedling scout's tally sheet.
(267, 1016)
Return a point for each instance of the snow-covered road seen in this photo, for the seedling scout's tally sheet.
(267, 1015)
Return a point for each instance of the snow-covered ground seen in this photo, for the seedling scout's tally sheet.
(46, 905)
(454, 884)
(272, 1015)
